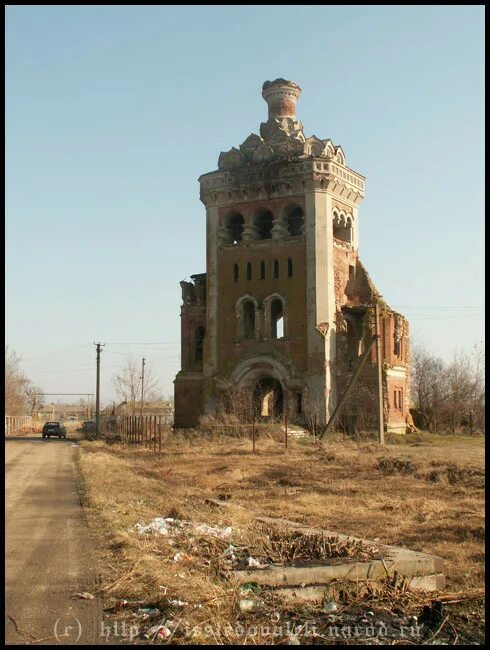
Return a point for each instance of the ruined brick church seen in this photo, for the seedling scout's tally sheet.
(285, 307)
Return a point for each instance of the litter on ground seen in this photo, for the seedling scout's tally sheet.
(171, 526)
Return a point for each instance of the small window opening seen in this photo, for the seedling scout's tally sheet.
(351, 271)
(395, 398)
(248, 320)
(277, 319)
(396, 345)
(262, 270)
(235, 273)
(200, 332)
(290, 267)
(276, 269)
(249, 271)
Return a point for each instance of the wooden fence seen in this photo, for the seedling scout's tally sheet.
(146, 430)
(15, 423)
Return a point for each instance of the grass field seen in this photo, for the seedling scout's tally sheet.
(422, 491)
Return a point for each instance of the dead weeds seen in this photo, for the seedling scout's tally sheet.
(354, 488)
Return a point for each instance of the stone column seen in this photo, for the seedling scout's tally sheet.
(211, 351)
(320, 300)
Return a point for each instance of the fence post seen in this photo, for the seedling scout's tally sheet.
(159, 434)
(286, 423)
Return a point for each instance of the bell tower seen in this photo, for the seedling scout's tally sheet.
(286, 310)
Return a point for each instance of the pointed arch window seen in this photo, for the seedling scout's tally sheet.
(275, 273)
(199, 344)
(262, 270)
(248, 320)
(277, 319)
(246, 312)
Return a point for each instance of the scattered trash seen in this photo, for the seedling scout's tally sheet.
(149, 611)
(248, 587)
(158, 631)
(330, 607)
(247, 605)
(178, 557)
(171, 526)
(158, 525)
(253, 562)
(293, 640)
(210, 530)
(84, 595)
(177, 603)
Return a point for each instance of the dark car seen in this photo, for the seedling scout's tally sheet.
(54, 429)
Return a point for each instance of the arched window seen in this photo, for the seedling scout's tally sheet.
(199, 343)
(277, 319)
(262, 270)
(294, 220)
(235, 273)
(234, 225)
(396, 345)
(275, 273)
(290, 267)
(249, 271)
(342, 228)
(248, 320)
(246, 314)
(263, 224)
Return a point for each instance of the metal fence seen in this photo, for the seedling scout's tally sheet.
(15, 423)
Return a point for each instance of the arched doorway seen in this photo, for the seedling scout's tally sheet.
(268, 398)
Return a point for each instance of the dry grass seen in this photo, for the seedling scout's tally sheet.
(425, 493)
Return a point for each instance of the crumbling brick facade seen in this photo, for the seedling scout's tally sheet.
(285, 307)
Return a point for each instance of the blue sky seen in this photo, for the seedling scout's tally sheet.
(113, 112)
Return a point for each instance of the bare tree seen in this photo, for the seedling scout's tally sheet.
(33, 396)
(15, 382)
(448, 396)
(127, 384)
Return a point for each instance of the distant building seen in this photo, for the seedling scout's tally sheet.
(285, 306)
(149, 408)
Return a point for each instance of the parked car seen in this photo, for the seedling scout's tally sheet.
(88, 426)
(54, 429)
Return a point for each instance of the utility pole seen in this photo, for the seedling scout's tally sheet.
(142, 383)
(97, 389)
(379, 362)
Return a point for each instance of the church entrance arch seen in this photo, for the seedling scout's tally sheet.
(268, 398)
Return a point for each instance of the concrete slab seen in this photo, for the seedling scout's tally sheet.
(426, 571)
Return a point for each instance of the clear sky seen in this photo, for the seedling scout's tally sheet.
(113, 112)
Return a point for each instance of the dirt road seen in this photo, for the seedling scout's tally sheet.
(49, 555)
